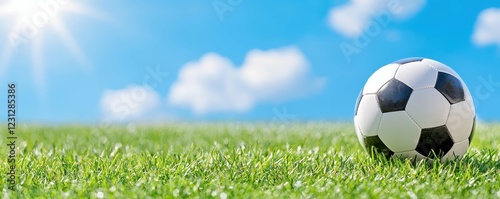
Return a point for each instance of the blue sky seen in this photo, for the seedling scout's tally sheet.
(217, 57)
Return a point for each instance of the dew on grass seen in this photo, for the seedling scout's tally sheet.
(297, 184)
(176, 193)
(99, 194)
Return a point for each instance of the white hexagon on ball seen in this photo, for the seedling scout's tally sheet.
(457, 151)
(369, 115)
(460, 122)
(468, 99)
(417, 75)
(440, 67)
(359, 134)
(428, 108)
(379, 78)
(411, 155)
(398, 131)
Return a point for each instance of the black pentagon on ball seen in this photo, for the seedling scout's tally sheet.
(434, 142)
(393, 96)
(360, 96)
(451, 87)
(374, 144)
(409, 60)
(472, 131)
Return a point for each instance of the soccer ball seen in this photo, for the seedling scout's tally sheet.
(415, 108)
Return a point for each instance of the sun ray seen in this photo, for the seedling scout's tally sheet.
(70, 43)
(37, 61)
(5, 60)
(23, 13)
(86, 11)
(4, 11)
(6, 8)
(6, 56)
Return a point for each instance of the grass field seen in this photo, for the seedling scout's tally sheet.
(206, 160)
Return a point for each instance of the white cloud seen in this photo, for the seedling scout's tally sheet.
(487, 30)
(351, 18)
(132, 102)
(214, 84)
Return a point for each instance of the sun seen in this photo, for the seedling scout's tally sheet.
(30, 18)
(20, 7)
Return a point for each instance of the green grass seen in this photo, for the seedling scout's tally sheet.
(203, 160)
